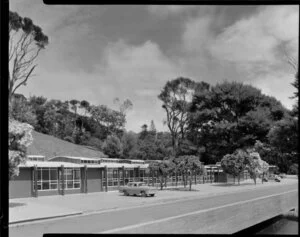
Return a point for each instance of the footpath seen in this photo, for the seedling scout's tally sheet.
(27, 210)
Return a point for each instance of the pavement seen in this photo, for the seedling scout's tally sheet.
(27, 210)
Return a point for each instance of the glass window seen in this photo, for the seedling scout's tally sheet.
(53, 174)
(45, 174)
(72, 178)
(47, 178)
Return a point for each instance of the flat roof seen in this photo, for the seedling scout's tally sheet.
(74, 158)
(50, 164)
(53, 164)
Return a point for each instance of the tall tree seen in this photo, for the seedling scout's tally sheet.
(26, 40)
(231, 116)
(112, 120)
(176, 96)
(86, 106)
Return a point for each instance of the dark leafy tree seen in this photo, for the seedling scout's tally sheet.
(112, 147)
(234, 164)
(231, 116)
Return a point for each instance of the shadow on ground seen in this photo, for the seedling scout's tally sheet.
(16, 204)
(181, 189)
(228, 185)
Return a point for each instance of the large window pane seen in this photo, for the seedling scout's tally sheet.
(45, 174)
(68, 174)
(70, 184)
(53, 174)
(39, 174)
(45, 185)
(76, 185)
(77, 174)
(53, 186)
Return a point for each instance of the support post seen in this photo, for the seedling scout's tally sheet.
(62, 179)
(35, 175)
(118, 177)
(106, 178)
(152, 176)
(176, 178)
(101, 178)
(123, 169)
(85, 179)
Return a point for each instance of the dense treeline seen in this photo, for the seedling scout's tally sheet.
(213, 121)
(95, 126)
(205, 121)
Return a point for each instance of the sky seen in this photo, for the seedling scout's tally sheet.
(98, 53)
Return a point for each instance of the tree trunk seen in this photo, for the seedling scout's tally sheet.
(184, 183)
(239, 179)
(161, 183)
(234, 179)
(190, 179)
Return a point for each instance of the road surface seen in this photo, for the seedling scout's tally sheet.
(122, 221)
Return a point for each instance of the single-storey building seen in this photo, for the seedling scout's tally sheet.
(62, 175)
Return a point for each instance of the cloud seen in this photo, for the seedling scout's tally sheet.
(257, 39)
(197, 34)
(272, 84)
(165, 11)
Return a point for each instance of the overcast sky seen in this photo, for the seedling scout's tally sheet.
(98, 53)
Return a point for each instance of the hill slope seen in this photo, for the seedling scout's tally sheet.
(50, 146)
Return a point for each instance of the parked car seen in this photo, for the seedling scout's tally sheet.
(277, 178)
(137, 188)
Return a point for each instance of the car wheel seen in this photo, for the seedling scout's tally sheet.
(126, 194)
(152, 195)
(143, 194)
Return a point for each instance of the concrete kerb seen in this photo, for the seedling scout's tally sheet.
(15, 223)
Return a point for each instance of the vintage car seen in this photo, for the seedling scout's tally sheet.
(137, 188)
(277, 178)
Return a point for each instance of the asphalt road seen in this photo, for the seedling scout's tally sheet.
(117, 219)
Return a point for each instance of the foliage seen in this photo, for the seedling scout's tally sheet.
(112, 147)
(234, 164)
(111, 119)
(231, 116)
(293, 169)
(26, 40)
(176, 96)
(188, 164)
(19, 138)
(254, 165)
(163, 169)
(20, 110)
(129, 144)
